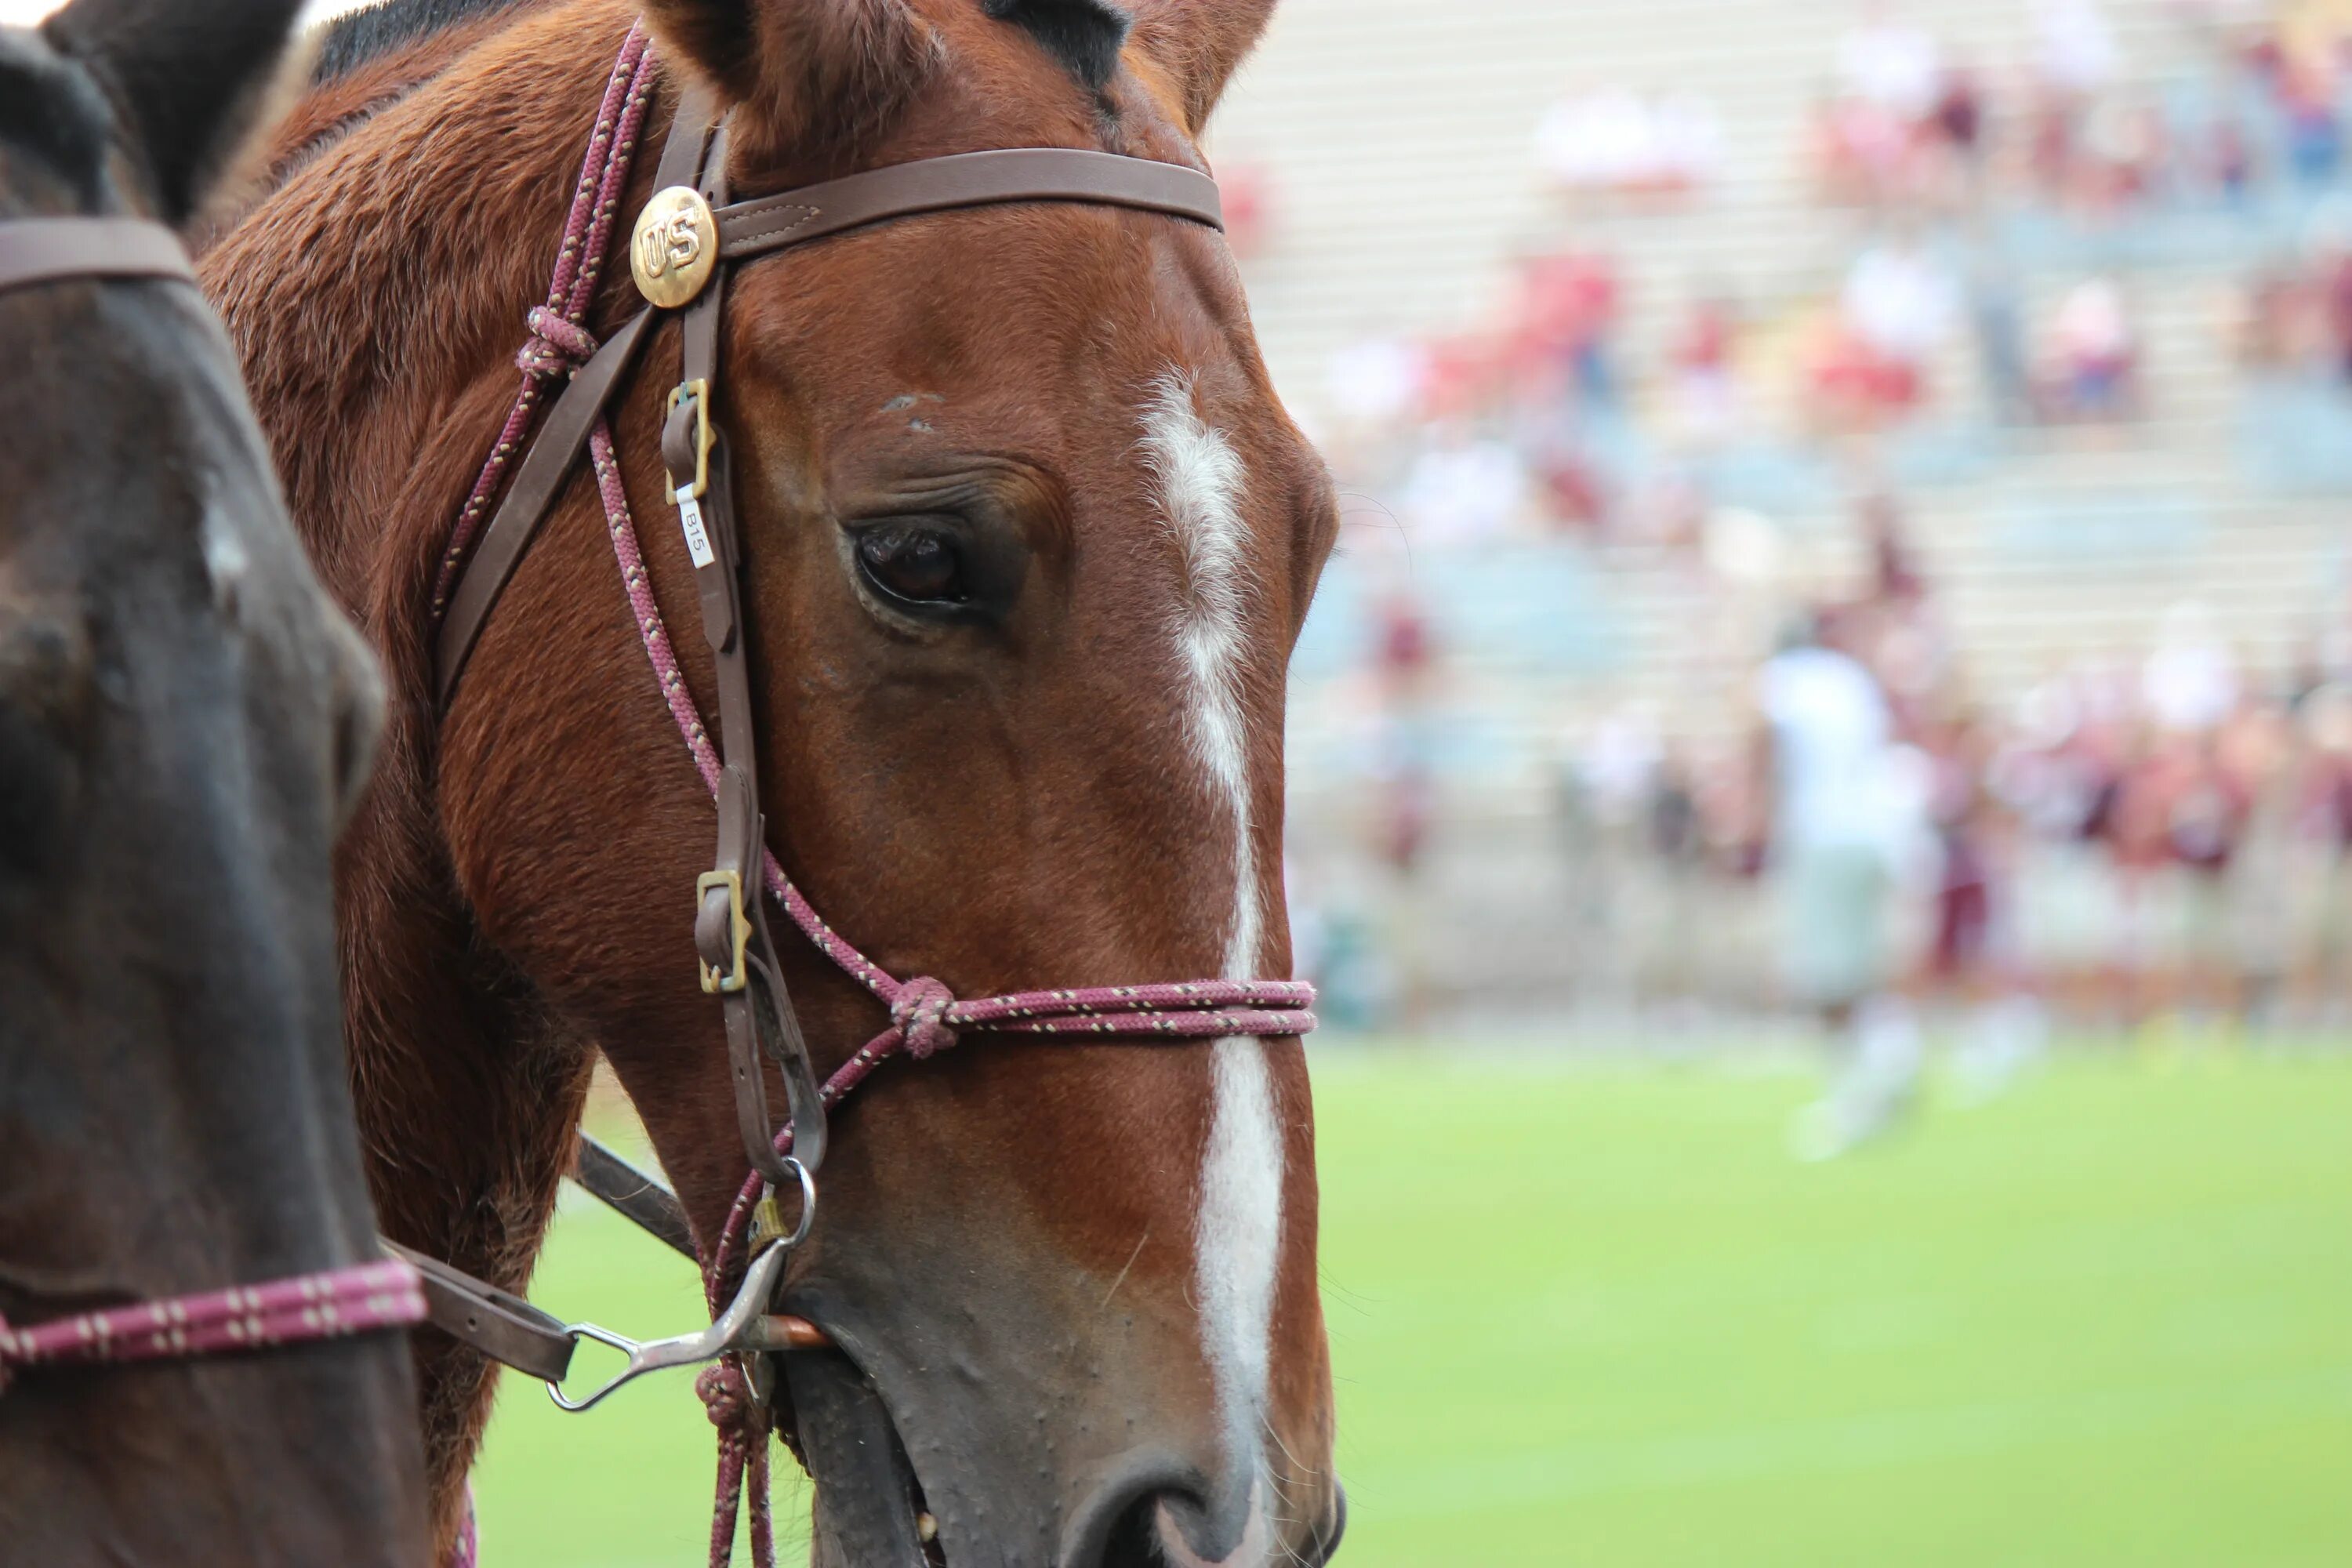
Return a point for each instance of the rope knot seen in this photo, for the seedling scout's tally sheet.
(726, 1397)
(556, 347)
(920, 1016)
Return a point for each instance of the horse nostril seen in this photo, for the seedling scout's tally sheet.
(1325, 1544)
(1133, 1542)
(1164, 1526)
(1173, 1529)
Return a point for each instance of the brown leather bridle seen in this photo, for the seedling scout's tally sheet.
(747, 231)
(683, 250)
(731, 930)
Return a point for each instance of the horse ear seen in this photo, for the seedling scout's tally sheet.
(194, 80)
(804, 76)
(1198, 43)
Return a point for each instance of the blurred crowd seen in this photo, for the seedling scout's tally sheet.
(1907, 123)
(2129, 839)
(1547, 412)
(2149, 830)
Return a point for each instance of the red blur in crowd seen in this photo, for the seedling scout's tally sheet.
(1568, 305)
(1871, 153)
(1855, 385)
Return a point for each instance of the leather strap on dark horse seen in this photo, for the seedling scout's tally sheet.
(505, 1328)
(35, 250)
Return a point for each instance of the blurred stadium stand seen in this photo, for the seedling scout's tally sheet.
(1394, 147)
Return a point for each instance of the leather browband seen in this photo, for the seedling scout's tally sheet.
(59, 249)
(967, 180)
(755, 229)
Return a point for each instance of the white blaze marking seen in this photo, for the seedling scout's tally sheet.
(1239, 1229)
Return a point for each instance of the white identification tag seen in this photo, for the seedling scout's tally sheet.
(690, 516)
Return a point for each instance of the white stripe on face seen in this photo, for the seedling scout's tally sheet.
(1239, 1231)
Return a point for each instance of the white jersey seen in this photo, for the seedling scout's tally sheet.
(1834, 738)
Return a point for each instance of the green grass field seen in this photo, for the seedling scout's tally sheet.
(1595, 1315)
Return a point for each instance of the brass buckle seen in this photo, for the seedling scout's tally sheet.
(714, 982)
(700, 390)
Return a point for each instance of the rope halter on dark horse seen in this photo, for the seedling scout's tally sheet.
(680, 250)
(304, 1308)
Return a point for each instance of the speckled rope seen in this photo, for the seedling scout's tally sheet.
(742, 1424)
(465, 1551)
(332, 1304)
(556, 345)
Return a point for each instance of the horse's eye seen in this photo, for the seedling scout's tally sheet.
(919, 565)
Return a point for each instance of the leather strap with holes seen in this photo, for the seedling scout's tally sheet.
(755, 1006)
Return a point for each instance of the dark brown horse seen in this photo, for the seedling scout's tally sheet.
(1030, 539)
(183, 718)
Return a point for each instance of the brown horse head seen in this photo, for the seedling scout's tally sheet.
(1029, 539)
(184, 717)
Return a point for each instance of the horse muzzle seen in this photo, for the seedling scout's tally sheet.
(1035, 1432)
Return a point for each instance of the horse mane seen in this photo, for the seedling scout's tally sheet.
(365, 36)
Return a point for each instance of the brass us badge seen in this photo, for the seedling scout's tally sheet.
(675, 249)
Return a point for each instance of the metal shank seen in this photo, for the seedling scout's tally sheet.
(744, 1326)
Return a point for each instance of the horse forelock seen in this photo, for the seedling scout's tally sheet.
(1083, 34)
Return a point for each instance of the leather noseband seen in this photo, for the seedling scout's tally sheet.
(35, 250)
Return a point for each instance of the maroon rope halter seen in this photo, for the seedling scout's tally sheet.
(332, 1304)
(925, 1016)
